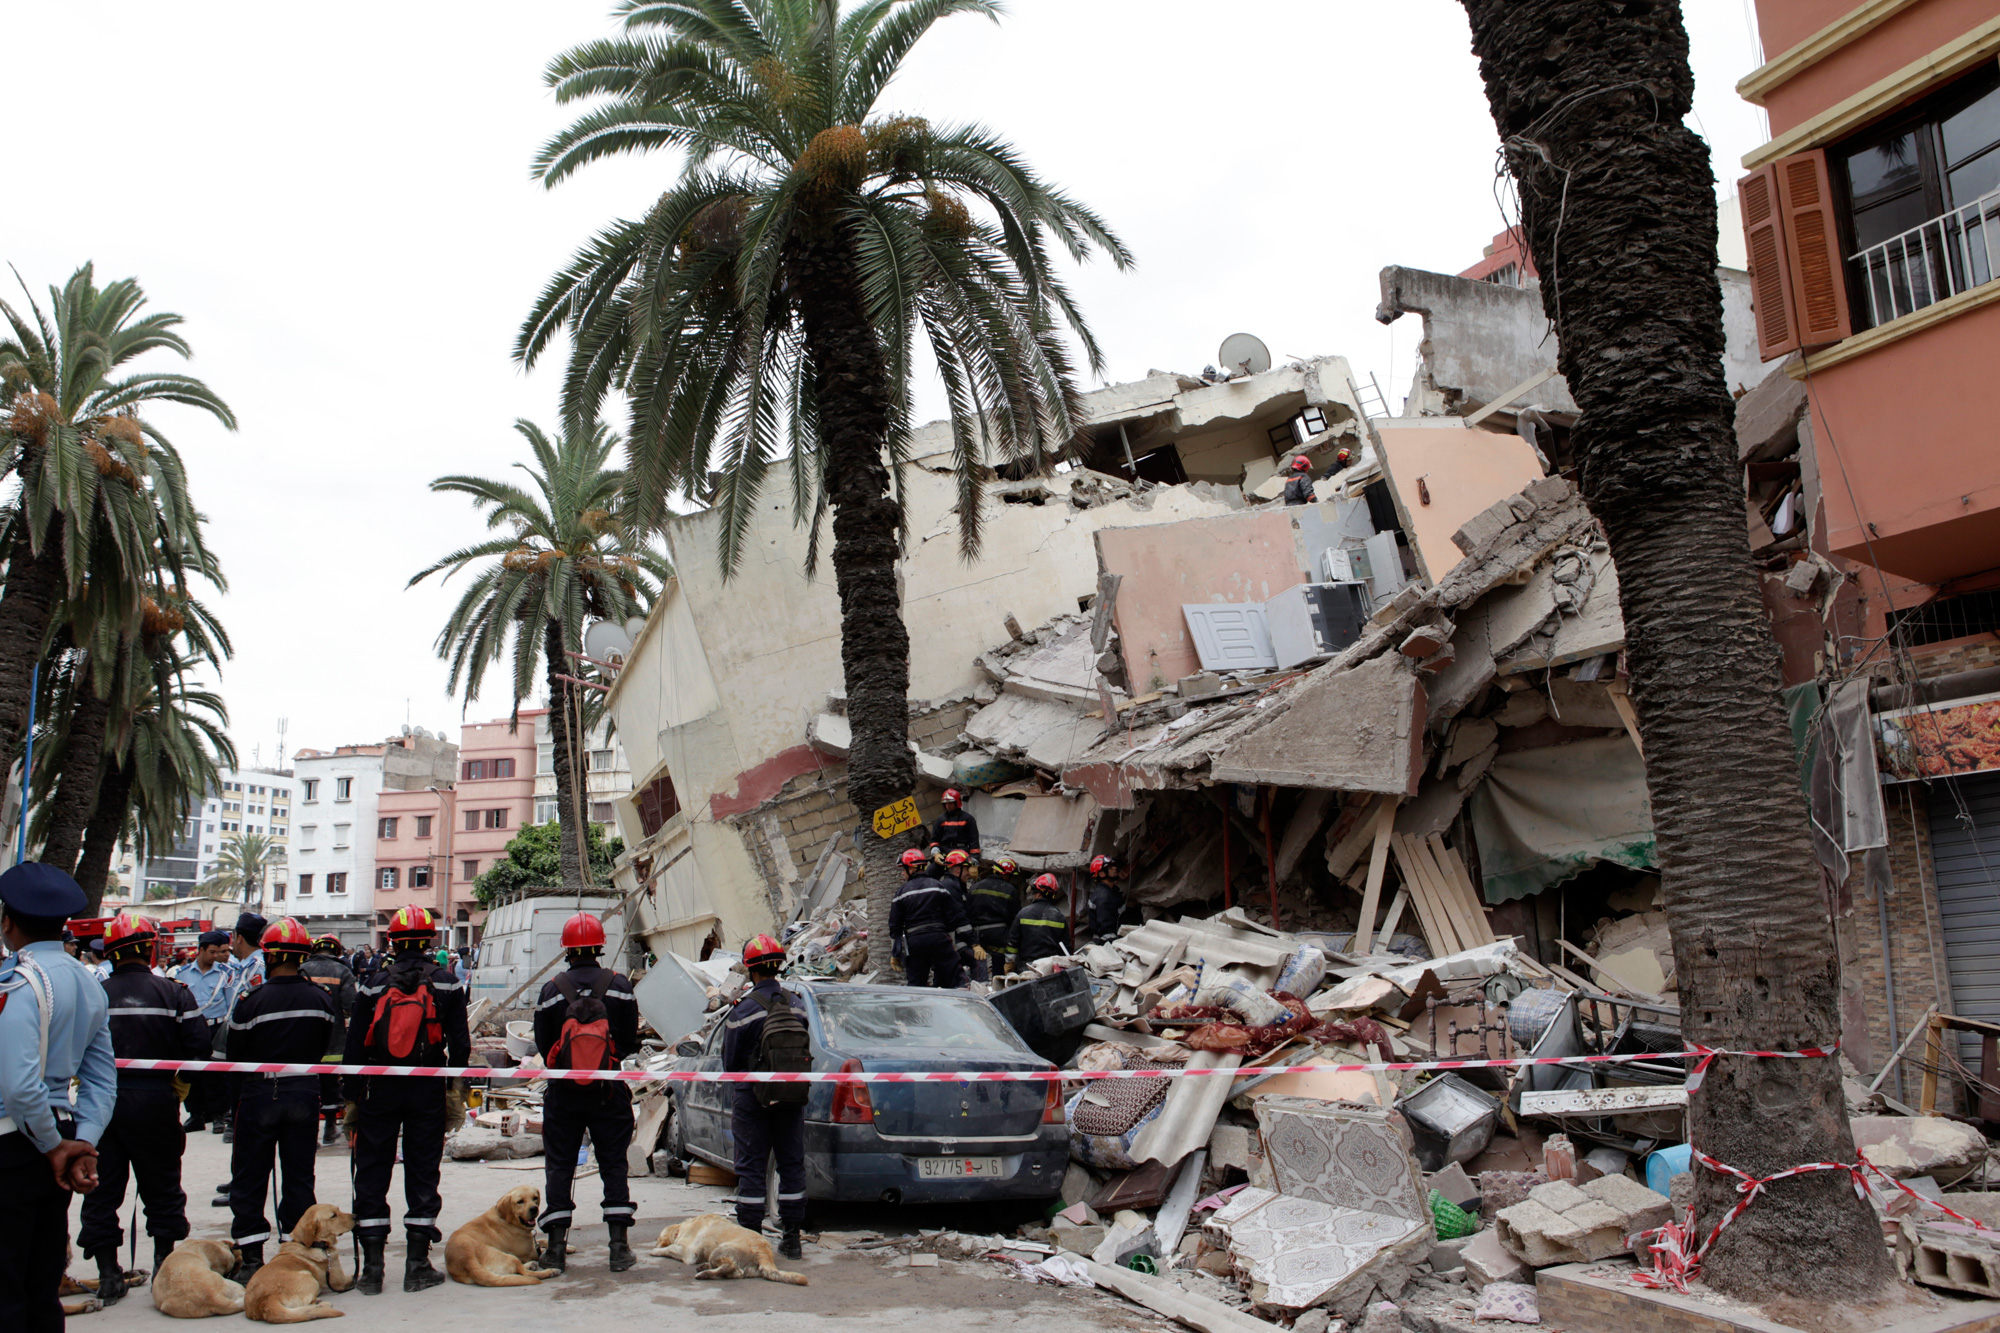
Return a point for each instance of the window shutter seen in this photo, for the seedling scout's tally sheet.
(1812, 244)
(1770, 284)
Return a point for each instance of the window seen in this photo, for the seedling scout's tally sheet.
(600, 812)
(496, 818)
(312, 789)
(657, 804)
(388, 877)
(468, 870)
(545, 809)
(306, 832)
(423, 826)
(503, 768)
(420, 877)
(600, 761)
(211, 827)
(385, 828)
(337, 882)
(545, 757)
(278, 891)
(305, 886)
(471, 821)
(340, 832)
(1921, 203)
(343, 789)
(475, 769)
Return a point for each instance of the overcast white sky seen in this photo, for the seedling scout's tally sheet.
(337, 200)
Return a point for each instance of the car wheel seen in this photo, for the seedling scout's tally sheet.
(677, 1146)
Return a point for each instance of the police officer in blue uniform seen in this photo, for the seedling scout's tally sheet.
(208, 979)
(53, 1028)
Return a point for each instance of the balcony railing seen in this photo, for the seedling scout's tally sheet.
(1951, 253)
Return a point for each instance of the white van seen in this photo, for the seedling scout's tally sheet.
(523, 934)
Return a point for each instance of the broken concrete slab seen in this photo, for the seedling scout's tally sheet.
(1503, 543)
(1453, 1184)
(1596, 627)
(1078, 1239)
(1468, 738)
(1767, 418)
(1926, 1145)
(1562, 1223)
(1486, 1260)
(1349, 730)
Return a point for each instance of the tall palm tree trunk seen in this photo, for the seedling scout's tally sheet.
(852, 390)
(74, 800)
(560, 708)
(1619, 205)
(34, 584)
(107, 825)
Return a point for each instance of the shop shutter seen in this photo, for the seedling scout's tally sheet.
(1966, 858)
(1770, 286)
(1812, 250)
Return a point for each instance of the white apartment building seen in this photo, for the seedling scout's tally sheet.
(608, 775)
(250, 800)
(333, 839)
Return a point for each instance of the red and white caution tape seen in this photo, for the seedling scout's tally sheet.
(1705, 1054)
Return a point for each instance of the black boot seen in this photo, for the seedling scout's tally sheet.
(622, 1257)
(555, 1252)
(110, 1275)
(162, 1249)
(253, 1259)
(418, 1275)
(369, 1283)
(332, 1130)
(793, 1245)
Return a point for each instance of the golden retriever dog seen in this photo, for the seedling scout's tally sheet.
(497, 1248)
(286, 1290)
(191, 1283)
(716, 1247)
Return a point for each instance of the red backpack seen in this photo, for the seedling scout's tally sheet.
(585, 1040)
(406, 1023)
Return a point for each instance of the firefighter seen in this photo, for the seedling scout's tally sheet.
(1039, 930)
(586, 1018)
(990, 904)
(326, 970)
(768, 1120)
(1299, 488)
(53, 1028)
(410, 1013)
(926, 925)
(285, 1020)
(152, 1018)
(1105, 901)
(957, 830)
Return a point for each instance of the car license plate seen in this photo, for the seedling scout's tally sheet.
(958, 1168)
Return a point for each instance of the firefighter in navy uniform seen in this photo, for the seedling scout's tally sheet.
(990, 904)
(926, 925)
(326, 970)
(152, 1018)
(1039, 930)
(1299, 487)
(1105, 901)
(957, 830)
(769, 1119)
(52, 1029)
(586, 1018)
(410, 1013)
(283, 1021)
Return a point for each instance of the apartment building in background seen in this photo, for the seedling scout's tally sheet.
(250, 800)
(607, 775)
(336, 883)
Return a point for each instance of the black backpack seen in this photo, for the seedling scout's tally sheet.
(785, 1047)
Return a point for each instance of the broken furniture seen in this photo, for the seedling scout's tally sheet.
(1050, 1013)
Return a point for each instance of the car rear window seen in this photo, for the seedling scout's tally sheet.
(957, 1022)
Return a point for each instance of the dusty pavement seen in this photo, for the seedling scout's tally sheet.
(978, 1293)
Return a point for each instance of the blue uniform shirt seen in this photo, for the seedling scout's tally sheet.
(79, 1047)
(211, 988)
(245, 975)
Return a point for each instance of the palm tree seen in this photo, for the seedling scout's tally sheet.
(241, 865)
(563, 554)
(98, 483)
(770, 306)
(1618, 201)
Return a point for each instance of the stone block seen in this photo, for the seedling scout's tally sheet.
(1448, 1256)
(1078, 1240)
(1230, 1146)
(1559, 1196)
(1926, 1145)
(1486, 1260)
(1078, 1184)
(1636, 1207)
(1453, 1183)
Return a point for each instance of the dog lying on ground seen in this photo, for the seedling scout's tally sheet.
(191, 1284)
(78, 1297)
(286, 1290)
(497, 1248)
(716, 1247)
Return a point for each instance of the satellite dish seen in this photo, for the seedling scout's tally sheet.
(607, 641)
(1244, 354)
(635, 626)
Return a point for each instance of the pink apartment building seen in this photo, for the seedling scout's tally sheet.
(432, 844)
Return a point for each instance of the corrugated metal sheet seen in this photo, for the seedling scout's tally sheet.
(1966, 856)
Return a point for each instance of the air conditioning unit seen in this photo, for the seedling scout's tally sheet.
(1314, 620)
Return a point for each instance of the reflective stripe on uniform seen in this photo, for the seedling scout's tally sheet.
(560, 1216)
(134, 1011)
(257, 1239)
(420, 1221)
(746, 1020)
(1031, 921)
(235, 1026)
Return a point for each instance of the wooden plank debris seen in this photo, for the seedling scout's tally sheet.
(1384, 826)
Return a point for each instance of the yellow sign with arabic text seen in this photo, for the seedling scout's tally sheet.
(897, 817)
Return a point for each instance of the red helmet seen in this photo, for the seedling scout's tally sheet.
(1344, 457)
(914, 858)
(1300, 464)
(286, 935)
(1100, 864)
(1046, 884)
(955, 858)
(412, 923)
(952, 796)
(1006, 865)
(583, 931)
(761, 951)
(128, 929)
